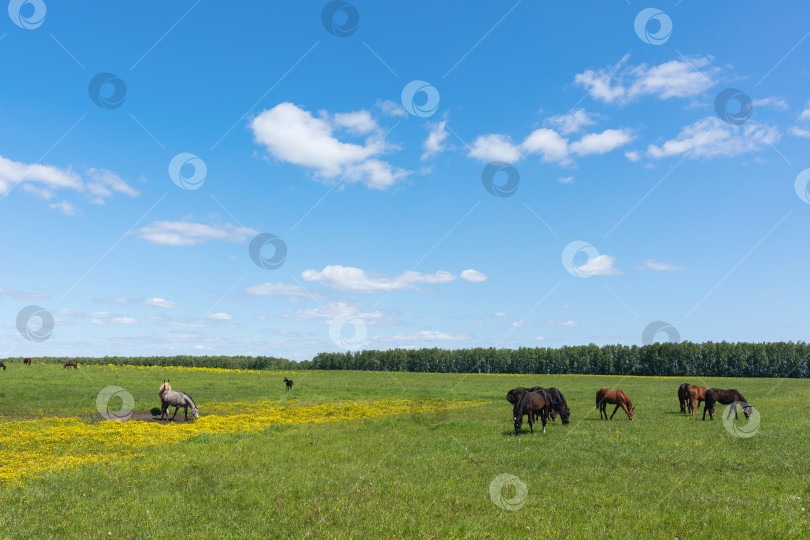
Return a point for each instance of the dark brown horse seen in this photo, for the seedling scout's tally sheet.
(614, 397)
(26, 361)
(683, 396)
(288, 382)
(695, 395)
(555, 398)
(726, 397)
(2, 365)
(71, 363)
(531, 403)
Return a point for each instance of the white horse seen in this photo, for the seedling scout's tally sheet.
(169, 397)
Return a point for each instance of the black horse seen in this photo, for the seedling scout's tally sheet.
(555, 398)
(532, 403)
(288, 382)
(2, 365)
(726, 397)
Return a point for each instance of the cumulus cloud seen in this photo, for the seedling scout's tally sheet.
(601, 143)
(674, 79)
(220, 317)
(473, 275)
(42, 180)
(570, 123)
(159, 302)
(495, 148)
(711, 138)
(357, 280)
(434, 144)
(293, 135)
(391, 108)
(563, 323)
(65, 208)
(601, 265)
(280, 289)
(186, 233)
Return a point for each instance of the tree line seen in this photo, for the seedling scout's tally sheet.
(723, 359)
(224, 362)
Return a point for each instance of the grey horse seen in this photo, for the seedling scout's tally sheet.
(169, 398)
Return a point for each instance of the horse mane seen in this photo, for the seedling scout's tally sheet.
(626, 398)
(191, 400)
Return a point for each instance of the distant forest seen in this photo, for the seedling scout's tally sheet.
(723, 359)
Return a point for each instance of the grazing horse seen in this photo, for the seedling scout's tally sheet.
(614, 397)
(558, 404)
(288, 382)
(695, 395)
(26, 361)
(2, 365)
(71, 363)
(169, 397)
(530, 403)
(515, 394)
(683, 396)
(726, 397)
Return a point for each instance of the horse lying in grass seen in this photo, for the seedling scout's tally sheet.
(71, 363)
(695, 394)
(173, 398)
(531, 403)
(288, 382)
(614, 397)
(683, 396)
(726, 397)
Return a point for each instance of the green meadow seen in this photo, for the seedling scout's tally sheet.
(431, 474)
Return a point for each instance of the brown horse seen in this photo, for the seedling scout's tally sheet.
(614, 397)
(71, 363)
(683, 396)
(288, 382)
(2, 365)
(26, 361)
(726, 397)
(696, 394)
(531, 403)
(515, 394)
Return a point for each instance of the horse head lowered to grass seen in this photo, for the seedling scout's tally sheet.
(173, 398)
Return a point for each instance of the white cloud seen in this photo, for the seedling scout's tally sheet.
(650, 264)
(473, 275)
(601, 265)
(334, 311)
(805, 114)
(220, 317)
(65, 208)
(565, 179)
(351, 279)
(423, 335)
(571, 122)
(632, 156)
(293, 135)
(434, 144)
(601, 143)
(391, 108)
(541, 338)
(123, 320)
(549, 144)
(25, 296)
(674, 79)
(775, 102)
(41, 180)
(500, 314)
(799, 132)
(495, 148)
(711, 138)
(568, 323)
(185, 233)
(280, 289)
(159, 302)
(518, 324)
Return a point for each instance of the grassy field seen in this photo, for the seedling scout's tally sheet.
(362, 455)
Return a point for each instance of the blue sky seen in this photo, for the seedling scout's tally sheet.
(632, 200)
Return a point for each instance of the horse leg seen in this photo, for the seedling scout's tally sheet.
(626, 410)
(619, 404)
(544, 418)
(175, 411)
(531, 427)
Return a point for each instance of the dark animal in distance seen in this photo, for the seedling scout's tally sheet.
(683, 396)
(726, 397)
(26, 361)
(555, 397)
(169, 397)
(695, 395)
(72, 363)
(288, 382)
(2, 365)
(530, 403)
(614, 397)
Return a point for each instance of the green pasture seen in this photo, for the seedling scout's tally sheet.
(429, 475)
